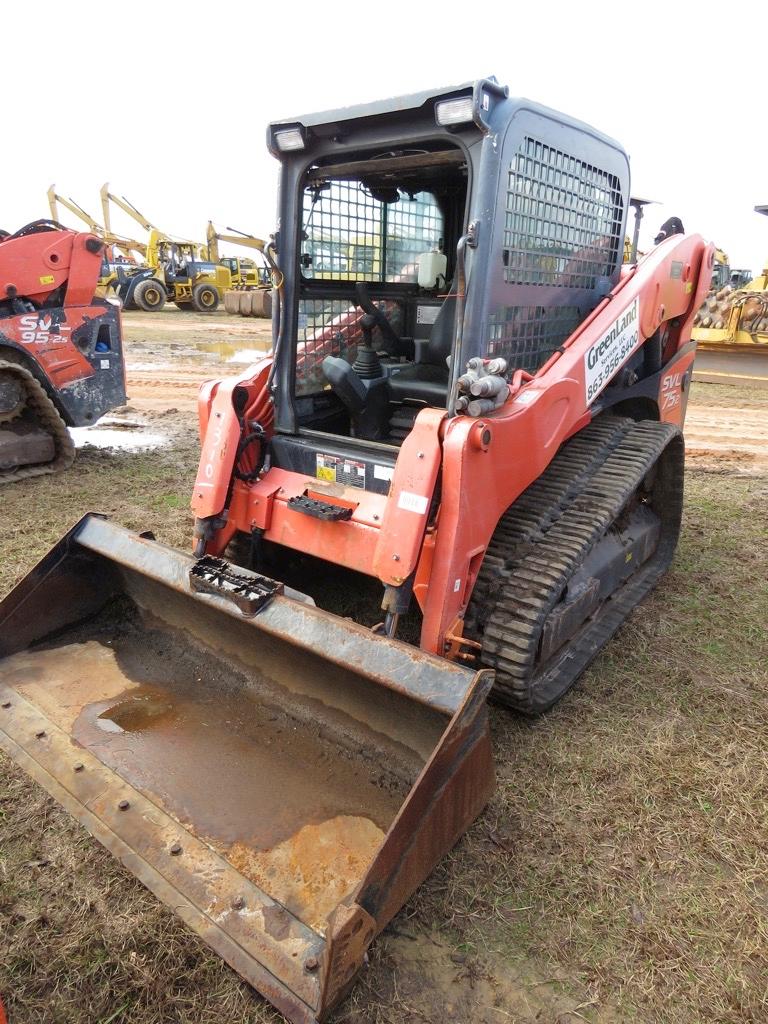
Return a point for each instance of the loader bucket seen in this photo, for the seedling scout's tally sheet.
(282, 778)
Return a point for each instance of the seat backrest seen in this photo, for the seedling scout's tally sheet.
(438, 348)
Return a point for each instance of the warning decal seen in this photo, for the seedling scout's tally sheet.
(340, 471)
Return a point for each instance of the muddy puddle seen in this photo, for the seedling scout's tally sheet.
(242, 355)
(119, 435)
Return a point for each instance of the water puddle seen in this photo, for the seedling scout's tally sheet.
(242, 355)
(121, 435)
(138, 712)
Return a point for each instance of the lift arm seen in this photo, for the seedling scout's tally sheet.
(213, 237)
(125, 206)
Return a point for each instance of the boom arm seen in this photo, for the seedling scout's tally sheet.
(125, 206)
(129, 246)
(213, 237)
(73, 207)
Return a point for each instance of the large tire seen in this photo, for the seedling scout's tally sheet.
(561, 573)
(205, 298)
(150, 295)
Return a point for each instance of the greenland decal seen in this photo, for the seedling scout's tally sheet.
(611, 351)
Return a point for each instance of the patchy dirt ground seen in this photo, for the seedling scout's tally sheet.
(619, 872)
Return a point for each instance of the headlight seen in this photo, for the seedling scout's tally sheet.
(456, 111)
(289, 139)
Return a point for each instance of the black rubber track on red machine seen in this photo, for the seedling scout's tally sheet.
(544, 537)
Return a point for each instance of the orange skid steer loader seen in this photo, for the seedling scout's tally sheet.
(457, 473)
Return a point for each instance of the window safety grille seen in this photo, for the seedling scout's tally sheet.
(351, 236)
(526, 336)
(331, 327)
(563, 220)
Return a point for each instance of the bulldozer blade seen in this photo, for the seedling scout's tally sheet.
(280, 777)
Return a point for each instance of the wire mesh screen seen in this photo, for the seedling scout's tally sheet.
(563, 219)
(349, 235)
(526, 336)
(331, 327)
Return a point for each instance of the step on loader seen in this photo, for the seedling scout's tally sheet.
(61, 360)
(456, 474)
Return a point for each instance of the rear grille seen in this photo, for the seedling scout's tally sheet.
(563, 220)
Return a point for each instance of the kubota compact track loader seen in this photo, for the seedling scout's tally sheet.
(471, 408)
(61, 360)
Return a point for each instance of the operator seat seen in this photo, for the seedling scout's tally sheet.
(427, 380)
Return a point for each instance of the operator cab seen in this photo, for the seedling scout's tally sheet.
(417, 234)
(376, 315)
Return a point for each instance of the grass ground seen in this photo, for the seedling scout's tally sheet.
(619, 873)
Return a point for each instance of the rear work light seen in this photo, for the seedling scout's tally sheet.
(458, 111)
(289, 139)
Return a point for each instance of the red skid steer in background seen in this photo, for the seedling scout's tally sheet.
(61, 360)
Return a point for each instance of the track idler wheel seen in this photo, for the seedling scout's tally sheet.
(34, 439)
(13, 396)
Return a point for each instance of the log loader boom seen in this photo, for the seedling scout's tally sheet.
(458, 472)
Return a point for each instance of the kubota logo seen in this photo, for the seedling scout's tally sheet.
(38, 329)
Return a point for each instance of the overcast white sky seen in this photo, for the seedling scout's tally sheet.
(169, 102)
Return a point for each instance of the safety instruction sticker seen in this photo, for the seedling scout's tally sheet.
(340, 471)
(426, 314)
(611, 350)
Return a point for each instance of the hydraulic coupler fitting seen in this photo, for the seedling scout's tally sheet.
(483, 387)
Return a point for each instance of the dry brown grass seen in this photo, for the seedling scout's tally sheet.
(619, 873)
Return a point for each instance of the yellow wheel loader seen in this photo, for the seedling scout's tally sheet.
(176, 270)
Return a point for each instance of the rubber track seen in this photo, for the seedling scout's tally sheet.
(544, 537)
(49, 419)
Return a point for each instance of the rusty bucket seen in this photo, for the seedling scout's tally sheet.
(282, 778)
